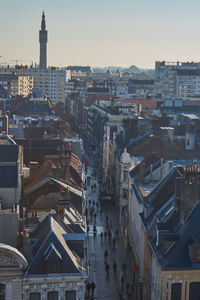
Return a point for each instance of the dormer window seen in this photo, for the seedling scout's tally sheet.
(53, 259)
(194, 251)
(196, 254)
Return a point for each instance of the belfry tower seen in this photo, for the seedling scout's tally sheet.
(43, 44)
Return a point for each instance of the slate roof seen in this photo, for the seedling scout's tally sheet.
(179, 257)
(49, 241)
(152, 160)
(36, 109)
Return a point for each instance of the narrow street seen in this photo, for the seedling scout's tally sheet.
(110, 285)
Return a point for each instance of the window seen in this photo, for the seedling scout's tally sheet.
(125, 175)
(53, 266)
(125, 193)
(52, 296)
(194, 291)
(176, 291)
(2, 291)
(196, 254)
(70, 295)
(35, 296)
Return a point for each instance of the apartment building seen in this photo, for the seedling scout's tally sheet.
(25, 85)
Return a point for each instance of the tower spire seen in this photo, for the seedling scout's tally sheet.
(43, 23)
(43, 43)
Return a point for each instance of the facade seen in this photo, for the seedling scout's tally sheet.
(43, 43)
(177, 79)
(188, 83)
(165, 78)
(50, 82)
(12, 266)
(11, 168)
(9, 83)
(140, 87)
(25, 85)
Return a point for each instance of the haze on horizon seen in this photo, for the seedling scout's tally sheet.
(101, 33)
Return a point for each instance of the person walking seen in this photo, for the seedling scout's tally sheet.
(93, 285)
(124, 268)
(88, 288)
(109, 235)
(101, 235)
(127, 288)
(105, 234)
(114, 267)
(107, 267)
(105, 254)
(122, 281)
(117, 234)
(114, 241)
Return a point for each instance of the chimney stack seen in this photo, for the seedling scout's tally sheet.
(142, 172)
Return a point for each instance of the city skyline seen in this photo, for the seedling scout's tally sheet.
(101, 33)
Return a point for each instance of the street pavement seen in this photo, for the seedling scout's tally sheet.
(109, 286)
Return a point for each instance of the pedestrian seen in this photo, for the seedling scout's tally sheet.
(88, 288)
(124, 267)
(101, 235)
(114, 266)
(105, 254)
(86, 212)
(127, 288)
(114, 241)
(105, 234)
(93, 285)
(101, 213)
(94, 230)
(95, 215)
(93, 202)
(110, 224)
(97, 205)
(88, 229)
(107, 267)
(89, 203)
(117, 234)
(109, 235)
(122, 281)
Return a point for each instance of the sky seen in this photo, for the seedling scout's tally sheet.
(101, 33)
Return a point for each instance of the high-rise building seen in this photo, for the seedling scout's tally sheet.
(43, 43)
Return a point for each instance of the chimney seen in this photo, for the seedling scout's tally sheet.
(178, 191)
(142, 172)
(151, 171)
(26, 232)
(161, 168)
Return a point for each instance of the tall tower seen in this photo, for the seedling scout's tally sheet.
(43, 44)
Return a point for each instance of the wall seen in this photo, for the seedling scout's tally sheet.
(54, 283)
(9, 233)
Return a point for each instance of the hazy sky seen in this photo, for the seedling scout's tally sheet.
(101, 33)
